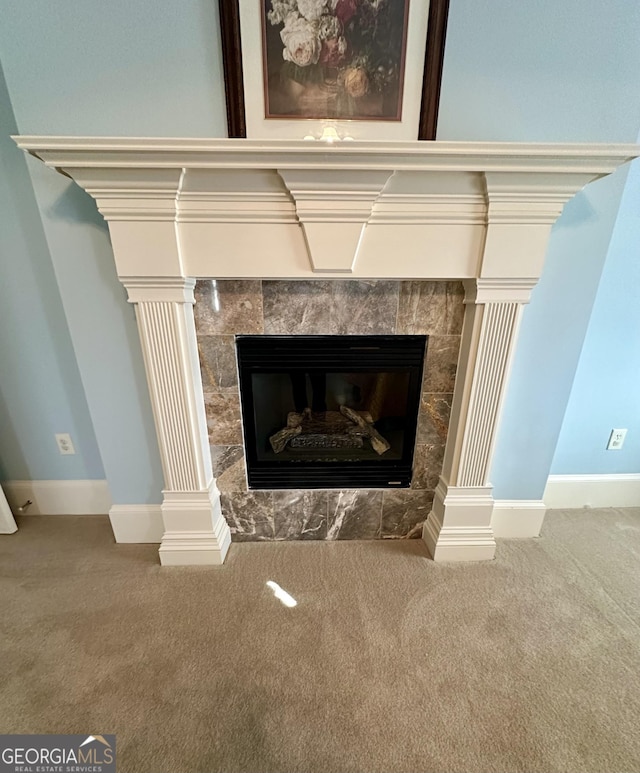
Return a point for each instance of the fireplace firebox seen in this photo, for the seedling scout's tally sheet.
(330, 411)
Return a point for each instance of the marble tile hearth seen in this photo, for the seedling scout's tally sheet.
(226, 308)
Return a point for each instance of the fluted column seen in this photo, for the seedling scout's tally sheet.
(195, 530)
(459, 525)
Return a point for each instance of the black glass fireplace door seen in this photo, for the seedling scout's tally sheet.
(330, 411)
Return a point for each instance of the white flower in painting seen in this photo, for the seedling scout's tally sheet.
(280, 9)
(312, 10)
(301, 43)
(329, 27)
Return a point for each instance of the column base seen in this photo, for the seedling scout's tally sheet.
(196, 533)
(459, 525)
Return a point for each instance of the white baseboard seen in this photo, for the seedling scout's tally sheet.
(574, 491)
(137, 523)
(59, 497)
(517, 518)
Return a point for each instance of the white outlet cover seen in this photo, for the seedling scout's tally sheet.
(616, 439)
(65, 444)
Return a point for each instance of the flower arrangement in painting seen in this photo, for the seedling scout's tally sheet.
(340, 58)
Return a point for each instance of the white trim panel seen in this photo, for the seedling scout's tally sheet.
(137, 523)
(574, 491)
(518, 518)
(7, 524)
(59, 497)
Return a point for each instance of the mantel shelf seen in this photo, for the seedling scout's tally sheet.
(300, 154)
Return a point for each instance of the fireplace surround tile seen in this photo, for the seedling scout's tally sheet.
(404, 512)
(229, 468)
(431, 308)
(223, 418)
(300, 515)
(365, 308)
(250, 515)
(218, 362)
(330, 307)
(354, 514)
(230, 306)
(441, 363)
(427, 464)
(433, 420)
(297, 308)
(325, 308)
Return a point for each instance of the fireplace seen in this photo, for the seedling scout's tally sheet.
(330, 411)
(292, 210)
(227, 310)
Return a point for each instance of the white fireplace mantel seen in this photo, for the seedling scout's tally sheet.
(180, 209)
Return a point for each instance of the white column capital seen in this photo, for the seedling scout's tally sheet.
(162, 289)
(499, 290)
(532, 197)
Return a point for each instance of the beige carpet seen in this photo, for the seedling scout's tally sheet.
(388, 662)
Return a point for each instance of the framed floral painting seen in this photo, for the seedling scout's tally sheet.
(364, 69)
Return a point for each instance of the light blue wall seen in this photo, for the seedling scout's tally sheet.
(122, 67)
(40, 389)
(104, 335)
(119, 68)
(551, 337)
(553, 72)
(541, 71)
(606, 389)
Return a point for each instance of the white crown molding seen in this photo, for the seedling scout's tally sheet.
(344, 205)
(333, 195)
(156, 152)
(529, 197)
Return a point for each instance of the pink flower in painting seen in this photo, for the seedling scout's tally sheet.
(345, 9)
(334, 52)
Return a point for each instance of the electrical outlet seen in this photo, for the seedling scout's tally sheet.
(616, 439)
(65, 445)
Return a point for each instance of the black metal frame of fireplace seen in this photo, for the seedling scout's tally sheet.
(357, 353)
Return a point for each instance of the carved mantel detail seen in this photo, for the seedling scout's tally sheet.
(333, 211)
